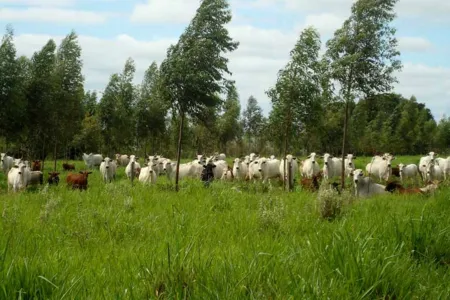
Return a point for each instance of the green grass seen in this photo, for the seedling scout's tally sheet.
(229, 241)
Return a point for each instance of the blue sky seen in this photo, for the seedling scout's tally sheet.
(110, 31)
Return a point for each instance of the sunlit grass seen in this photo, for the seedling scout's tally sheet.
(228, 241)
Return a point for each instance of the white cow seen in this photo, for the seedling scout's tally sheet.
(253, 157)
(221, 166)
(408, 171)
(122, 159)
(148, 173)
(108, 169)
(253, 170)
(269, 168)
(7, 163)
(310, 166)
(380, 167)
(137, 166)
(444, 164)
(221, 156)
(240, 168)
(92, 160)
(290, 159)
(434, 172)
(349, 165)
(169, 168)
(424, 162)
(332, 166)
(365, 187)
(227, 174)
(187, 170)
(197, 166)
(17, 178)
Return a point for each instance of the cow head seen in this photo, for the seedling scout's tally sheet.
(262, 163)
(312, 157)
(327, 158)
(357, 175)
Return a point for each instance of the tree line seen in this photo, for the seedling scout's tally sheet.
(46, 111)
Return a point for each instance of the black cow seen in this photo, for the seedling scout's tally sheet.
(207, 174)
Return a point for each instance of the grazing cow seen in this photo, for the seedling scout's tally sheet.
(310, 166)
(108, 169)
(444, 164)
(36, 165)
(7, 163)
(207, 175)
(408, 171)
(311, 184)
(68, 167)
(53, 178)
(292, 161)
(78, 181)
(137, 166)
(17, 178)
(332, 166)
(365, 187)
(434, 172)
(240, 168)
(380, 167)
(122, 160)
(269, 168)
(349, 165)
(149, 173)
(228, 174)
(92, 160)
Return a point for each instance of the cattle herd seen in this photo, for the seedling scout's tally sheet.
(431, 170)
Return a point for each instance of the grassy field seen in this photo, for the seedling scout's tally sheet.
(230, 241)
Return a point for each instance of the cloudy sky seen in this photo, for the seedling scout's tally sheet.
(110, 31)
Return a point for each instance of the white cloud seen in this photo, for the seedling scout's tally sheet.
(254, 65)
(51, 15)
(414, 44)
(39, 2)
(325, 23)
(164, 11)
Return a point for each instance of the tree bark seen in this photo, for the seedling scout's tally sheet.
(180, 134)
(344, 138)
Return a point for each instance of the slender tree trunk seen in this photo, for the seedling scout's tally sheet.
(54, 157)
(344, 138)
(180, 131)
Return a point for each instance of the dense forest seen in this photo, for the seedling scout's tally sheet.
(46, 110)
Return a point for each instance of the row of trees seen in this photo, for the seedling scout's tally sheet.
(45, 108)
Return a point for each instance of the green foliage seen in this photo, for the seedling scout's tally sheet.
(228, 124)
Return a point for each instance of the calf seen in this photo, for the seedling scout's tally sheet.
(240, 168)
(68, 167)
(108, 169)
(311, 184)
(36, 165)
(149, 174)
(207, 175)
(365, 187)
(78, 181)
(408, 171)
(53, 178)
(17, 178)
(228, 174)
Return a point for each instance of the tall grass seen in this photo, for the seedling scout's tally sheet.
(228, 241)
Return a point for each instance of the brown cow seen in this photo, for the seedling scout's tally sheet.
(78, 181)
(311, 184)
(53, 178)
(36, 165)
(67, 167)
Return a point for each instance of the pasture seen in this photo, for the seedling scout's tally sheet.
(229, 241)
